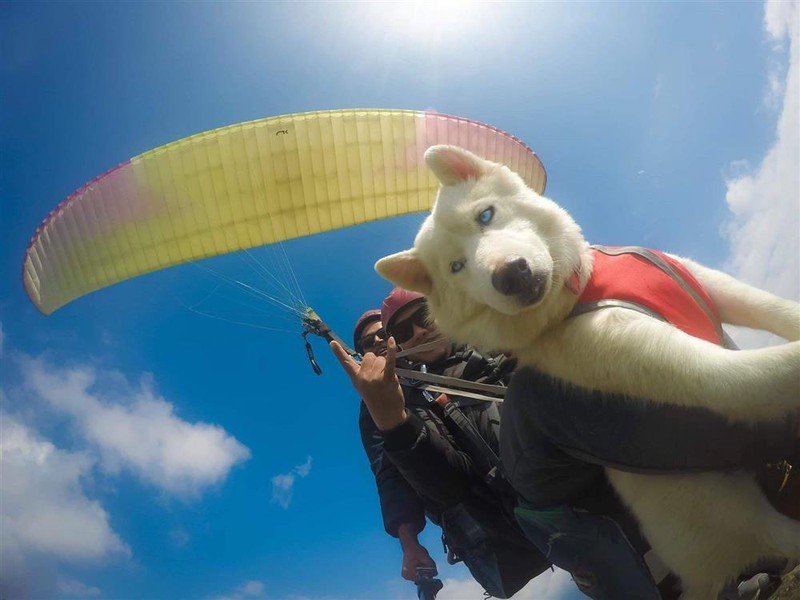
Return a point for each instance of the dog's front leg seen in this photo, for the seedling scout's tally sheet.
(745, 305)
(619, 350)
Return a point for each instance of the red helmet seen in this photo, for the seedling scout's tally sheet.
(397, 300)
(368, 317)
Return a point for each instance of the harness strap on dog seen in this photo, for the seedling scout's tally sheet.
(628, 283)
(662, 264)
(586, 307)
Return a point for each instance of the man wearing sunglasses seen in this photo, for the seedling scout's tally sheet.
(402, 508)
(406, 320)
(419, 464)
(369, 334)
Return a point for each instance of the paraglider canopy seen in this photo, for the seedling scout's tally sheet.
(247, 185)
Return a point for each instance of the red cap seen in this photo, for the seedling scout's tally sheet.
(368, 317)
(397, 300)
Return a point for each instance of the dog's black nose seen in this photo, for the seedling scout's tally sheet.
(515, 278)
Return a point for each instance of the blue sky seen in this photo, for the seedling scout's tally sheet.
(152, 452)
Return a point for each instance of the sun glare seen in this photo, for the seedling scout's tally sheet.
(433, 22)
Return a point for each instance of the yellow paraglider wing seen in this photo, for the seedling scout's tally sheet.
(247, 185)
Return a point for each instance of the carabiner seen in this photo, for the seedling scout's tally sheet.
(310, 352)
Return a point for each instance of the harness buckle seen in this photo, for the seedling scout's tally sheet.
(786, 467)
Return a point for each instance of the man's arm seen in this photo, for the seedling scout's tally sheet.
(401, 508)
(433, 466)
(429, 461)
(400, 504)
(414, 554)
(644, 436)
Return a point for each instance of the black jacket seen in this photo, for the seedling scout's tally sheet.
(419, 467)
(556, 439)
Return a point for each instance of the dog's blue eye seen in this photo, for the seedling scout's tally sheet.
(486, 215)
(456, 266)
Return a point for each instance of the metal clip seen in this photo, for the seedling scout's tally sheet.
(784, 466)
(311, 359)
(787, 470)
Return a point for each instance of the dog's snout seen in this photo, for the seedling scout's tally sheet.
(515, 278)
(518, 263)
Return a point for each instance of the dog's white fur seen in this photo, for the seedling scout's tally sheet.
(707, 528)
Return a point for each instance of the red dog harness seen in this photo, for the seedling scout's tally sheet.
(653, 283)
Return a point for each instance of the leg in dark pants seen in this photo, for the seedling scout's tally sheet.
(593, 548)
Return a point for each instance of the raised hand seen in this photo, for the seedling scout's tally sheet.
(377, 384)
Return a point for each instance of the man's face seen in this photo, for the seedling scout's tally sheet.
(411, 329)
(372, 339)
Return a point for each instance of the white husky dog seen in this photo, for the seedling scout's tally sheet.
(502, 268)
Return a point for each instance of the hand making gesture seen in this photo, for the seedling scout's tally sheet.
(375, 380)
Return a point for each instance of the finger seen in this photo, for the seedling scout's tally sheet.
(391, 352)
(348, 364)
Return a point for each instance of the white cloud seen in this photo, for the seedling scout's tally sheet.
(304, 469)
(76, 589)
(282, 487)
(283, 484)
(49, 522)
(458, 589)
(134, 429)
(550, 585)
(779, 18)
(44, 513)
(249, 589)
(764, 230)
(252, 589)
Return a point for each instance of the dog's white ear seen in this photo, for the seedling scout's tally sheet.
(405, 270)
(453, 165)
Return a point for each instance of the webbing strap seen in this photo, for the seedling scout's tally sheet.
(451, 381)
(481, 451)
(656, 261)
(461, 393)
(586, 307)
(420, 348)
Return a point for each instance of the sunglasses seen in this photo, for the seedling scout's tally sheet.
(372, 340)
(404, 330)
